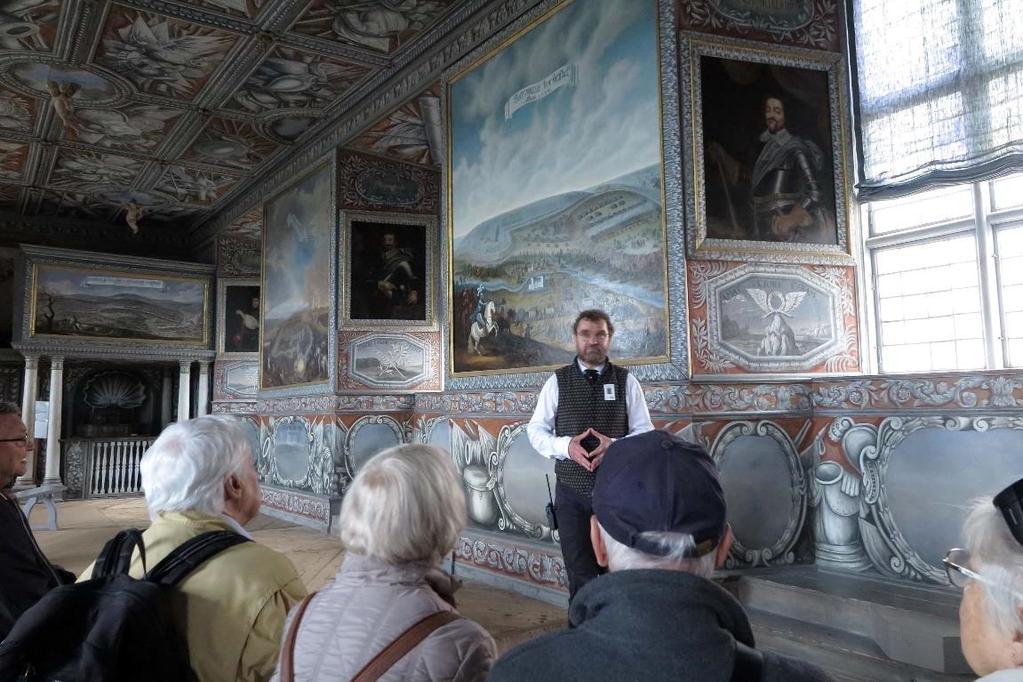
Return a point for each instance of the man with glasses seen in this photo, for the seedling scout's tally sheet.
(579, 412)
(25, 573)
(990, 573)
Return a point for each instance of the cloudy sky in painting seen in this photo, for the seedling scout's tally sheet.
(106, 285)
(577, 137)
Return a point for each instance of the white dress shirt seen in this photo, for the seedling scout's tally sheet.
(541, 426)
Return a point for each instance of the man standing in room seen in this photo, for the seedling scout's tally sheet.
(25, 572)
(579, 412)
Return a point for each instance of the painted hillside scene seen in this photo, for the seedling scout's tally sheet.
(113, 305)
(556, 191)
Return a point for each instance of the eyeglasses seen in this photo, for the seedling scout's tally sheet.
(959, 575)
(599, 336)
(24, 440)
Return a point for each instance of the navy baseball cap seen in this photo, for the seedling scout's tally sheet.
(658, 482)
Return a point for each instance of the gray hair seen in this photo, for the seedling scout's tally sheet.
(184, 470)
(406, 504)
(9, 408)
(678, 545)
(996, 555)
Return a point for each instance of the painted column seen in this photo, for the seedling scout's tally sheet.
(28, 414)
(166, 410)
(202, 401)
(184, 386)
(53, 427)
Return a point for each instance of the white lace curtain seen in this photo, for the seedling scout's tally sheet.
(939, 87)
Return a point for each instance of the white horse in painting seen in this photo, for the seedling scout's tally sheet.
(478, 331)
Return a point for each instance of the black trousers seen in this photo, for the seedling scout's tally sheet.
(574, 511)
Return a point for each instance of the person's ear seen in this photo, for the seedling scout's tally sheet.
(724, 546)
(1016, 649)
(233, 488)
(599, 548)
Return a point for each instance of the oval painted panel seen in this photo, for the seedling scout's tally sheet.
(369, 440)
(440, 435)
(758, 490)
(525, 489)
(379, 186)
(291, 450)
(928, 508)
(252, 435)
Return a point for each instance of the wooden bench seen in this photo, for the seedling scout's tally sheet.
(44, 493)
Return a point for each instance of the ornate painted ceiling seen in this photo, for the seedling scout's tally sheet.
(154, 113)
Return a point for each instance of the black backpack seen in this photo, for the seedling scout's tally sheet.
(112, 627)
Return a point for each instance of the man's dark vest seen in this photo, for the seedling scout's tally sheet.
(581, 405)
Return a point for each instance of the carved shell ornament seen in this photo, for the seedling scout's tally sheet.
(114, 389)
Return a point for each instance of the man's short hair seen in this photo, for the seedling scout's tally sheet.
(405, 504)
(594, 315)
(997, 556)
(184, 470)
(9, 408)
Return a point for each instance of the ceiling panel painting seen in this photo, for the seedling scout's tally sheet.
(13, 156)
(235, 144)
(412, 132)
(138, 127)
(296, 79)
(17, 112)
(66, 85)
(71, 204)
(288, 126)
(160, 55)
(378, 25)
(192, 186)
(239, 8)
(90, 170)
(29, 24)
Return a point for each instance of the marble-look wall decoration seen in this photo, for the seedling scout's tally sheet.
(536, 566)
(304, 453)
(389, 361)
(772, 319)
(369, 435)
(235, 380)
(804, 23)
(238, 256)
(951, 391)
(368, 183)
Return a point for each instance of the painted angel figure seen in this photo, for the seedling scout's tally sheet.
(779, 339)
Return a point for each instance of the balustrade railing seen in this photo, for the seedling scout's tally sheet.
(112, 466)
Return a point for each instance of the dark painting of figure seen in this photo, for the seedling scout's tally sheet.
(241, 319)
(768, 172)
(388, 271)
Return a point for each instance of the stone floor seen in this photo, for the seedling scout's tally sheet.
(85, 525)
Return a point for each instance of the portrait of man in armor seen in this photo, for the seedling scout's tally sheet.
(767, 153)
(388, 270)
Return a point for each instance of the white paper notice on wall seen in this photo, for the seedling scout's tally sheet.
(42, 419)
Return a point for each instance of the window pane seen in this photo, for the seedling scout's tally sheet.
(1001, 23)
(1009, 245)
(1004, 108)
(929, 306)
(1008, 192)
(927, 208)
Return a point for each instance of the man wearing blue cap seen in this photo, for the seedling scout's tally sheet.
(659, 526)
(579, 412)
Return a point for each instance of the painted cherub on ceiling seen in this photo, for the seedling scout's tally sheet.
(195, 186)
(381, 25)
(160, 55)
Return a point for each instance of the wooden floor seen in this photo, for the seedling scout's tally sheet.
(85, 525)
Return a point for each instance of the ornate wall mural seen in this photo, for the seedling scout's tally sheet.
(299, 453)
(369, 436)
(390, 362)
(414, 132)
(372, 183)
(772, 318)
(806, 23)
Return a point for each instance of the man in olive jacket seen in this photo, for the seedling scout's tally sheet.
(198, 476)
(659, 526)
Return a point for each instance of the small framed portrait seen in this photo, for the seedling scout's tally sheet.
(238, 316)
(388, 270)
(766, 172)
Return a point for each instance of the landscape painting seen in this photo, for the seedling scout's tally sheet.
(297, 243)
(124, 306)
(555, 193)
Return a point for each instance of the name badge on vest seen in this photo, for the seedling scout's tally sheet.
(609, 391)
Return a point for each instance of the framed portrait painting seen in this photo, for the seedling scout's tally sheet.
(297, 344)
(766, 167)
(555, 196)
(238, 304)
(388, 270)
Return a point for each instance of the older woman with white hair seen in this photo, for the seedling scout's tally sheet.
(390, 614)
(990, 572)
